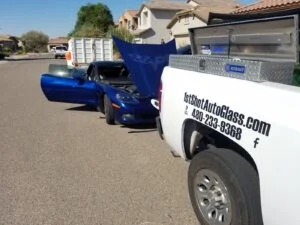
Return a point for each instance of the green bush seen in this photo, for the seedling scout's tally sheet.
(20, 52)
(93, 20)
(88, 31)
(35, 41)
(7, 51)
(121, 33)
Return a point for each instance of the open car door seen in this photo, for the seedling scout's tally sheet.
(69, 89)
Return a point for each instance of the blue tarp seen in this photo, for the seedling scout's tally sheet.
(145, 63)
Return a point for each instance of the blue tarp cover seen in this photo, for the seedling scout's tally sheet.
(145, 63)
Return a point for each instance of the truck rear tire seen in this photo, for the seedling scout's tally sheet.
(108, 111)
(224, 189)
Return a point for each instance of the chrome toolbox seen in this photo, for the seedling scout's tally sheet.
(257, 50)
(259, 71)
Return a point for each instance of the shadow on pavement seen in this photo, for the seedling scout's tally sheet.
(136, 128)
(82, 108)
(141, 131)
(140, 128)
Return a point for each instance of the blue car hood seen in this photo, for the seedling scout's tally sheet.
(145, 63)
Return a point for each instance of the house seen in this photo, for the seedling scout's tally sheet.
(197, 16)
(9, 42)
(59, 41)
(153, 18)
(265, 6)
(129, 20)
(6, 42)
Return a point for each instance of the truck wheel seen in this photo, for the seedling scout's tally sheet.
(224, 189)
(108, 111)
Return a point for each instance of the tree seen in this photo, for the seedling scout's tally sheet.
(88, 31)
(94, 16)
(35, 41)
(121, 33)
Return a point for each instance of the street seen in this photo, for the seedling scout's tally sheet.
(62, 164)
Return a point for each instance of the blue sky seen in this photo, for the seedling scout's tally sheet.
(53, 17)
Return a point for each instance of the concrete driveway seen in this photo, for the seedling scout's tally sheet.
(62, 164)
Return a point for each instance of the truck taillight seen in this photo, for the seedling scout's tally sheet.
(159, 95)
(68, 55)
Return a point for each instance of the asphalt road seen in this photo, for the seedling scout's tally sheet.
(61, 164)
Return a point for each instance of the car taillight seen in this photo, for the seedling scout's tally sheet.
(159, 95)
(68, 55)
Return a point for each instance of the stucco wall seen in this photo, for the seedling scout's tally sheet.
(159, 22)
(182, 40)
(149, 37)
(180, 29)
(142, 23)
(182, 25)
(129, 18)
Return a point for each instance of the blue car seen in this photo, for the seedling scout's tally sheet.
(106, 86)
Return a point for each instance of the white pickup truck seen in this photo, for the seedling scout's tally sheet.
(230, 109)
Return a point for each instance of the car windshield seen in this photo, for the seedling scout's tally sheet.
(113, 72)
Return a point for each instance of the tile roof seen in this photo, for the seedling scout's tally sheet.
(59, 40)
(201, 12)
(133, 13)
(165, 5)
(264, 5)
(5, 39)
(217, 3)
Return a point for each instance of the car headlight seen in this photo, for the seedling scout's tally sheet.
(125, 98)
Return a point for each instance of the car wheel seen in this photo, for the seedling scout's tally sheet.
(224, 189)
(56, 57)
(108, 111)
